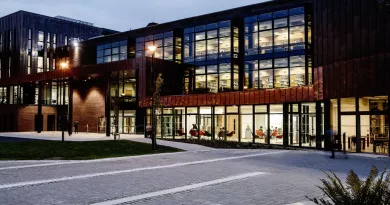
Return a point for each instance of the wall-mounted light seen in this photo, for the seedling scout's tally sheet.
(64, 65)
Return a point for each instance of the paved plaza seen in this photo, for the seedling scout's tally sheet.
(206, 176)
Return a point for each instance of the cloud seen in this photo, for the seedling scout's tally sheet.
(122, 14)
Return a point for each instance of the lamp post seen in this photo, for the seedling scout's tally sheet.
(153, 135)
(64, 120)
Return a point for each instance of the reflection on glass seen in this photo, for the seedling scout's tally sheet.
(297, 20)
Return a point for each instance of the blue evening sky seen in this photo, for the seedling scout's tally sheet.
(122, 15)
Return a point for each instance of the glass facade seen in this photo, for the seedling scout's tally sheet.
(111, 52)
(3, 95)
(302, 124)
(363, 121)
(275, 47)
(168, 47)
(212, 49)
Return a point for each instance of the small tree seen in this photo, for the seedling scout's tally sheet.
(156, 108)
(374, 190)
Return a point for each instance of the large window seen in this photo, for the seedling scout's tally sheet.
(40, 64)
(209, 42)
(29, 47)
(111, 52)
(275, 32)
(164, 43)
(210, 47)
(41, 38)
(275, 73)
(3, 95)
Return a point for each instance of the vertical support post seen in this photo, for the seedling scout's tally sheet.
(344, 143)
(300, 124)
(285, 124)
(328, 132)
(339, 123)
(319, 122)
(39, 119)
(268, 125)
(358, 131)
(70, 105)
(107, 109)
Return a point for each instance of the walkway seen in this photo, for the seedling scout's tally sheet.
(57, 136)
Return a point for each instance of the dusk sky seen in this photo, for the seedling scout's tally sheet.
(122, 15)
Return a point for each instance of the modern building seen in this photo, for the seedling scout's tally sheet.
(29, 44)
(285, 72)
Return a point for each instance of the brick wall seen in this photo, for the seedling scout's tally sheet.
(18, 118)
(26, 117)
(88, 103)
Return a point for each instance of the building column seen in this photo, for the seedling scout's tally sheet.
(327, 128)
(108, 107)
(319, 135)
(285, 124)
(70, 105)
(39, 118)
(358, 131)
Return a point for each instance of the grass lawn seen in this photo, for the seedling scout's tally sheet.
(38, 150)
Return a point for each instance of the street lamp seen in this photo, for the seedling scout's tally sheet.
(152, 49)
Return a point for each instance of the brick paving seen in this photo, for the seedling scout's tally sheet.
(289, 177)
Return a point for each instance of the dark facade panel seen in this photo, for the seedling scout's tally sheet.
(350, 39)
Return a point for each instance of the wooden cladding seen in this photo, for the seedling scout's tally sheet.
(351, 47)
(258, 97)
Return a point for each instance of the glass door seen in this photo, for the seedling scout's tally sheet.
(128, 125)
(167, 126)
(375, 131)
(348, 126)
(293, 128)
(232, 127)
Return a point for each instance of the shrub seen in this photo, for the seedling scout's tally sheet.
(373, 190)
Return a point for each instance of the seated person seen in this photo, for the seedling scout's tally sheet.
(275, 132)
